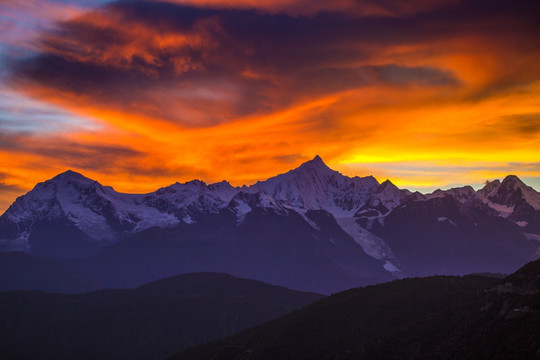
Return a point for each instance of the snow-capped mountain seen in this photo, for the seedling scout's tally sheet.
(186, 202)
(314, 186)
(467, 197)
(509, 194)
(515, 201)
(312, 217)
(100, 216)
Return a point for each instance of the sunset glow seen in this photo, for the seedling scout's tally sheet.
(141, 94)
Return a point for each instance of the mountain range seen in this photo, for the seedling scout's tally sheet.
(311, 229)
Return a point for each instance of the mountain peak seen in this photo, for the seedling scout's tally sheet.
(196, 183)
(512, 180)
(72, 176)
(489, 189)
(510, 192)
(387, 183)
(316, 161)
(69, 174)
(316, 164)
(512, 184)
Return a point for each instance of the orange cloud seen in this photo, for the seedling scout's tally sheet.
(135, 44)
(181, 93)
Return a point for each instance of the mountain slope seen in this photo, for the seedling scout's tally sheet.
(441, 235)
(504, 323)
(279, 248)
(388, 321)
(150, 322)
(440, 317)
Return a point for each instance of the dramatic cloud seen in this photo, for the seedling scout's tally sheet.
(244, 89)
(8, 192)
(311, 7)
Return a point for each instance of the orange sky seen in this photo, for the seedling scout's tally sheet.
(139, 95)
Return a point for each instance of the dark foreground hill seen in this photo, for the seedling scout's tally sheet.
(150, 322)
(439, 317)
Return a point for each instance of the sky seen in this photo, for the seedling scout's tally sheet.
(141, 94)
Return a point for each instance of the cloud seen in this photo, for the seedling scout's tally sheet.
(526, 125)
(95, 157)
(8, 191)
(312, 7)
(152, 92)
(8, 188)
(290, 158)
(199, 67)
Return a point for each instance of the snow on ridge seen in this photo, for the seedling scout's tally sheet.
(373, 245)
(193, 197)
(73, 204)
(242, 209)
(314, 186)
(510, 184)
(464, 195)
(303, 214)
(222, 190)
(497, 195)
(388, 266)
(84, 202)
(503, 210)
(532, 197)
(489, 189)
(531, 236)
(386, 198)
